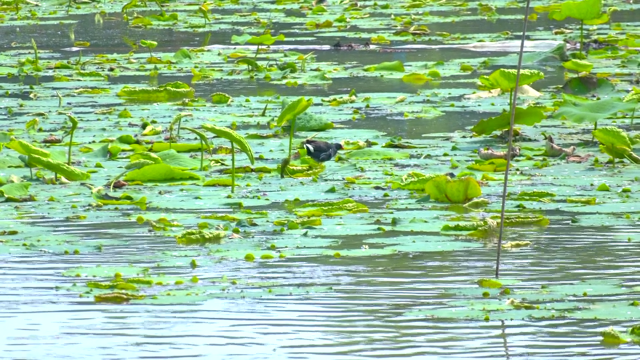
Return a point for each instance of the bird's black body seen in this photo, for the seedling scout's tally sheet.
(321, 151)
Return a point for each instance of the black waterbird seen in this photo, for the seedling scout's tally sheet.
(321, 151)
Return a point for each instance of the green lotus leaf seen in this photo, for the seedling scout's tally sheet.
(160, 172)
(584, 85)
(456, 191)
(612, 336)
(579, 10)
(168, 92)
(200, 237)
(505, 79)
(14, 191)
(416, 184)
(126, 139)
(396, 66)
(220, 98)
(489, 283)
(578, 109)
(578, 65)
(292, 110)
(493, 165)
(200, 136)
(615, 142)
(58, 167)
(633, 95)
(328, 208)
(117, 297)
(250, 63)
(218, 182)
(523, 116)
(152, 130)
(125, 199)
(232, 136)
(265, 39)
(27, 149)
(179, 147)
(150, 157)
(148, 44)
(415, 78)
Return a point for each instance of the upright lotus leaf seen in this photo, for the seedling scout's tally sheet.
(232, 136)
(455, 191)
(616, 143)
(524, 116)
(578, 65)
(203, 142)
(579, 110)
(265, 39)
(396, 66)
(26, 148)
(177, 120)
(58, 167)
(585, 10)
(168, 92)
(633, 96)
(149, 44)
(505, 79)
(291, 111)
(236, 140)
(289, 115)
(70, 132)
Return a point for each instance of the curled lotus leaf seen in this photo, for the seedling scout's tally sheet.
(168, 92)
(456, 191)
(58, 167)
(200, 237)
(505, 79)
(232, 136)
(117, 297)
(26, 148)
(328, 208)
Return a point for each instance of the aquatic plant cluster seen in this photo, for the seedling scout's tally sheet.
(148, 135)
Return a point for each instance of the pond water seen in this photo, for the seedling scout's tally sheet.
(386, 283)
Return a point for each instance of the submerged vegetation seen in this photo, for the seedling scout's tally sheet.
(421, 116)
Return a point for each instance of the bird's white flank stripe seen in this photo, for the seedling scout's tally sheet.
(308, 147)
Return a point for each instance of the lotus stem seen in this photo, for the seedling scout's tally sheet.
(290, 140)
(69, 152)
(581, 34)
(595, 127)
(201, 155)
(512, 102)
(233, 167)
(633, 114)
(257, 51)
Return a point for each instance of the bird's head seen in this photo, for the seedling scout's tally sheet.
(338, 146)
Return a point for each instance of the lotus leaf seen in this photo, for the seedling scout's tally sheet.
(505, 79)
(160, 172)
(524, 116)
(200, 237)
(168, 92)
(456, 191)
